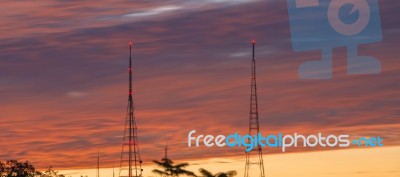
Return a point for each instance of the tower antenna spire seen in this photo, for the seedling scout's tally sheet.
(98, 164)
(254, 157)
(166, 151)
(131, 163)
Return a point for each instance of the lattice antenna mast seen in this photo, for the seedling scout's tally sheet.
(254, 157)
(130, 156)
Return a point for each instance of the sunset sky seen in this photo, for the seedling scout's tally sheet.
(64, 90)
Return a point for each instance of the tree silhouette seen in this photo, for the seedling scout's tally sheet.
(51, 173)
(170, 169)
(13, 168)
(206, 173)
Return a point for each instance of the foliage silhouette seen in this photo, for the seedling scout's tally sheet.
(51, 173)
(206, 173)
(13, 168)
(170, 169)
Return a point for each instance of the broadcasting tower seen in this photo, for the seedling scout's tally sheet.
(254, 157)
(131, 163)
